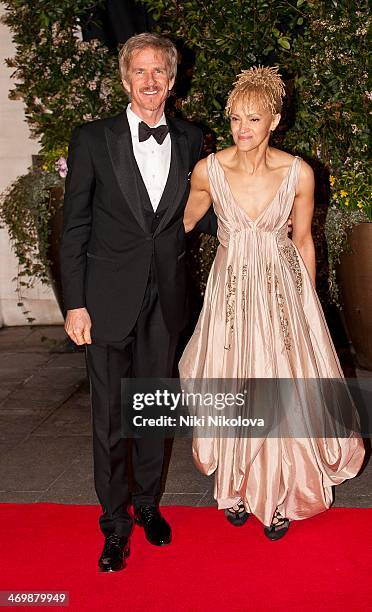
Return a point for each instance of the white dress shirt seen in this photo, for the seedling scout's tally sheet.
(153, 159)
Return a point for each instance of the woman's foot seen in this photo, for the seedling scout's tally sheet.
(237, 515)
(278, 528)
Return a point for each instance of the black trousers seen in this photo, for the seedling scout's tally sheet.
(147, 352)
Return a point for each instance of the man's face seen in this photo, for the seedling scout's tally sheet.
(147, 81)
(251, 126)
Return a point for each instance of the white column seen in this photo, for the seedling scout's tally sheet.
(16, 149)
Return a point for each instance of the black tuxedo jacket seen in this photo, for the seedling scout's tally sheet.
(111, 234)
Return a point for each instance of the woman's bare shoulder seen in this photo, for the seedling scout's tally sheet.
(281, 159)
(225, 155)
(201, 167)
(306, 177)
(199, 177)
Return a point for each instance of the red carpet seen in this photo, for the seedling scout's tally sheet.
(323, 563)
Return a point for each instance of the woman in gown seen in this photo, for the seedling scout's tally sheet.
(261, 316)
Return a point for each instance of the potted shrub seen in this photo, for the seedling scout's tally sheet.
(349, 234)
(27, 208)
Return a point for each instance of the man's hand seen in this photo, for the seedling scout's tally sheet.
(290, 226)
(77, 326)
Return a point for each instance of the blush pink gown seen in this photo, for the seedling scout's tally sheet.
(261, 318)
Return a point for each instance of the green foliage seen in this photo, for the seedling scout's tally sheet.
(62, 80)
(320, 48)
(227, 37)
(332, 98)
(338, 227)
(332, 107)
(350, 189)
(26, 208)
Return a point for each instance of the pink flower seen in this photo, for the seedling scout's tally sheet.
(61, 167)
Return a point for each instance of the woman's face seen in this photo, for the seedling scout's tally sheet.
(251, 125)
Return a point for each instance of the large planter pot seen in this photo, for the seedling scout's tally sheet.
(355, 282)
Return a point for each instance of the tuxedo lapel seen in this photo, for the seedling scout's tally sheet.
(119, 144)
(178, 174)
(170, 187)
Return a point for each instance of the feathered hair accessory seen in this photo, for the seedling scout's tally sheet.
(258, 84)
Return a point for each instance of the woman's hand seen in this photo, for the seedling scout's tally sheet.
(199, 199)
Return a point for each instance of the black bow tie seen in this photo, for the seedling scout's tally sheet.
(145, 131)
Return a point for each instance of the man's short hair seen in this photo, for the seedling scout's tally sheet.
(144, 41)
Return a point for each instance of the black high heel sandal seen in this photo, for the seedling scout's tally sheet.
(278, 528)
(237, 515)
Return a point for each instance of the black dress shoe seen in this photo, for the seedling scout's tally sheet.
(114, 553)
(157, 530)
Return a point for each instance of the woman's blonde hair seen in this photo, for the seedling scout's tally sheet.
(262, 85)
(143, 41)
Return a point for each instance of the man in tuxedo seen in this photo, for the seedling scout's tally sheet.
(124, 276)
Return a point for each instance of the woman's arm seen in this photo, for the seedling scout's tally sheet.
(302, 214)
(199, 199)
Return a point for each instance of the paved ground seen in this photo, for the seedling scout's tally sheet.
(45, 430)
